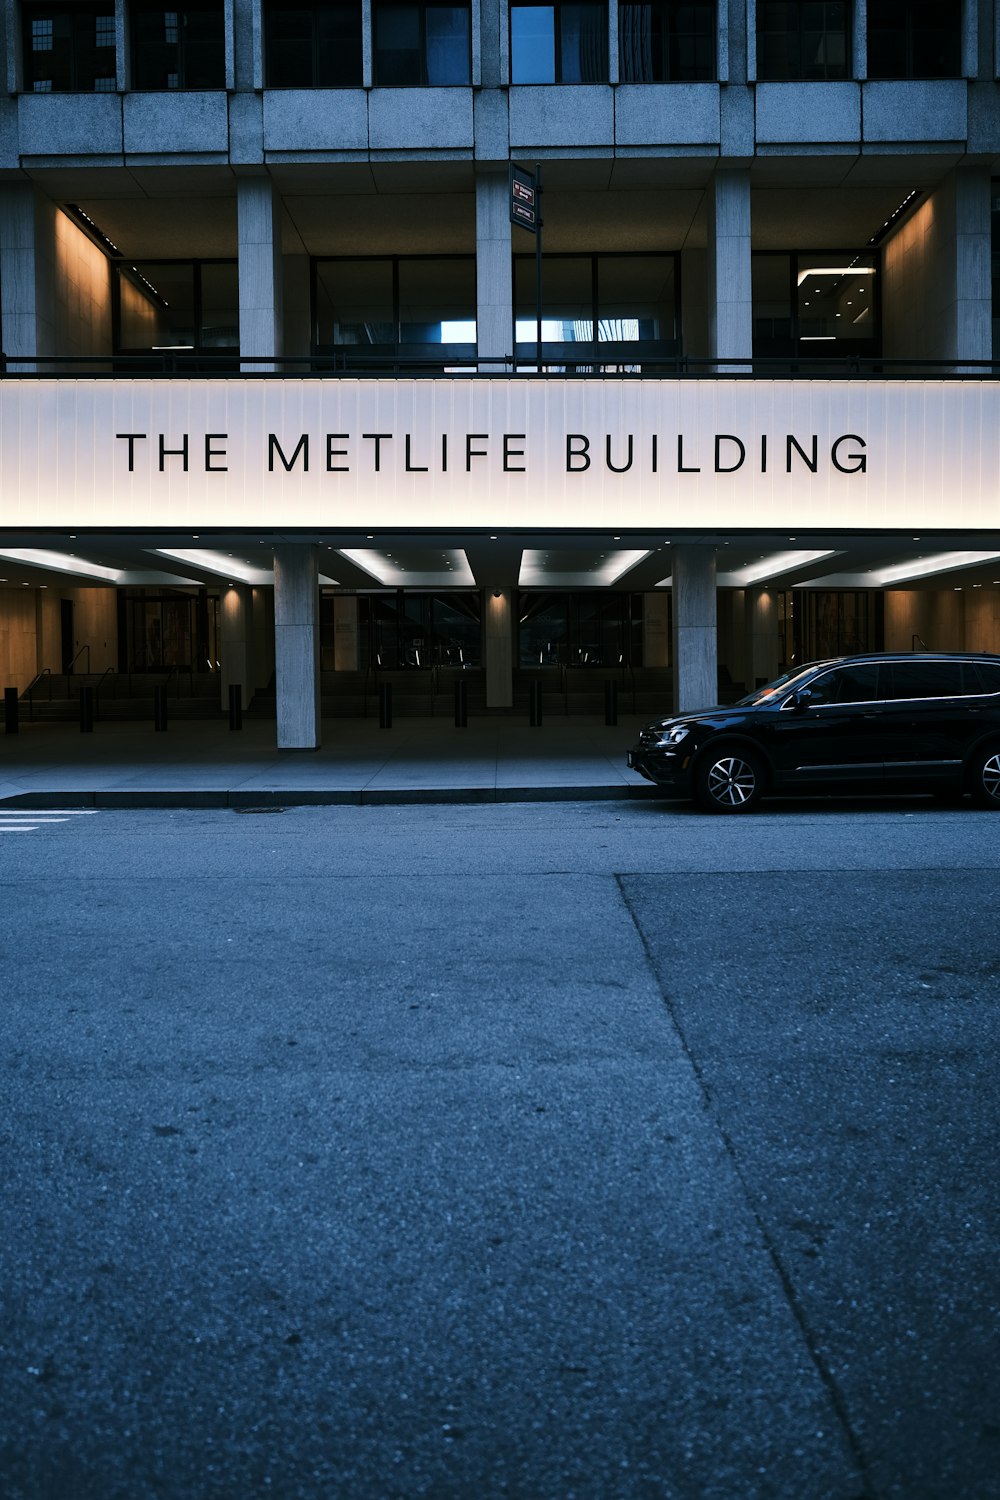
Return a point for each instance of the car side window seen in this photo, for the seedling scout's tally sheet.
(924, 679)
(985, 675)
(854, 684)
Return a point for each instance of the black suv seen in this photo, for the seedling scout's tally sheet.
(921, 722)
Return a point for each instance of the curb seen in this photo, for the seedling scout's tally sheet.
(288, 797)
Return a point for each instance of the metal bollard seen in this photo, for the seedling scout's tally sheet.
(86, 710)
(235, 705)
(385, 705)
(160, 708)
(10, 710)
(611, 703)
(461, 704)
(535, 705)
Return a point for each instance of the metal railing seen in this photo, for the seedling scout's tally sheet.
(587, 361)
(76, 658)
(30, 690)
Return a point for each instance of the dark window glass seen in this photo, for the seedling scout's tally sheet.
(856, 684)
(987, 676)
(914, 38)
(177, 306)
(422, 44)
(312, 45)
(178, 49)
(666, 41)
(603, 299)
(69, 49)
(802, 39)
(384, 303)
(815, 304)
(559, 43)
(924, 679)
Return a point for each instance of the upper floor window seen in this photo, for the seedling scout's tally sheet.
(560, 43)
(384, 304)
(598, 300)
(178, 49)
(312, 44)
(69, 48)
(914, 39)
(802, 39)
(421, 44)
(814, 304)
(176, 306)
(666, 41)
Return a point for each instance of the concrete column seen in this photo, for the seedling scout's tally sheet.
(761, 636)
(236, 642)
(696, 682)
(730, 303)
(498, 647)
(27, 273)
(296, 646)
(258, 211)
(972, 313)
(494, 275)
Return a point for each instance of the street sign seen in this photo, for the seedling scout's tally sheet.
(524, 200)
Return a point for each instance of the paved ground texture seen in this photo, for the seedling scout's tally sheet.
(586, 1150)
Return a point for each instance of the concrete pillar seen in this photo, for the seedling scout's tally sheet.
(27, 274)
(730, 303)
(494, 275)
(498, 647)
(972, 312)
(258, 210)
(695, 645)
(296, 646)
(236, 642)
(761, 636)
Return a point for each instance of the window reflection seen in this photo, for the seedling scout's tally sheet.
(562, 43)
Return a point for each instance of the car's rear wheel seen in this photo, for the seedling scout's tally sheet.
(984, 777)
(728, 780)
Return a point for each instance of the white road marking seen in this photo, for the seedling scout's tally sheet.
(24, 821)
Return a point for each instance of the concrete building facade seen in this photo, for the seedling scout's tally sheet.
(274, 411)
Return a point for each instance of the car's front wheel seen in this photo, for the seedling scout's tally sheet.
(984, 777)
(728, 780)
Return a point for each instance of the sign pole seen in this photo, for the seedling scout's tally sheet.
(538, 269)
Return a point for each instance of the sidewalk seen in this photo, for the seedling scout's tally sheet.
(198, 764)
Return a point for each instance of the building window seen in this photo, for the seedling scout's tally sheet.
(802, 39)
(598, 309)
(422, 44)
(914, 39)
(666, 42)
(560, 43)
(178, 49)
(70, 49)
(312, 45)
(418, 307)
(813, 304)
(176, 307)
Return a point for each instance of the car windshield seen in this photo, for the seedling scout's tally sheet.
(779, 687)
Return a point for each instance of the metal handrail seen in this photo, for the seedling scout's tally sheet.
(108, 672)
(581, 361)
(913, 642)
(83, 648)
(30, 691)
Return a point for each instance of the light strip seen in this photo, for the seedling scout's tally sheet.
(770, 567)
(835, 271)
(390, 571)
(218, 563)
(535, 574)
(64, 562)
(942, 562)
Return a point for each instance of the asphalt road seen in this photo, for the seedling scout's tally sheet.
(553, 1150)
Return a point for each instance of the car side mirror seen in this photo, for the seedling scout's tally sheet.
(798, 700)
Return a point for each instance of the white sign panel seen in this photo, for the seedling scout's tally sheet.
(519, 454)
